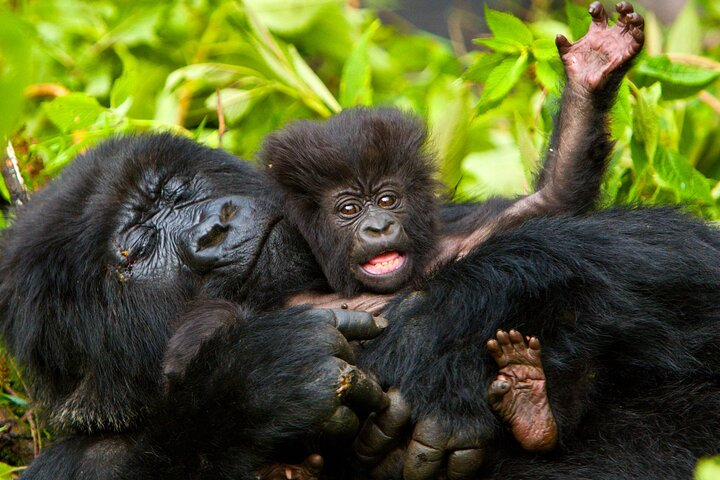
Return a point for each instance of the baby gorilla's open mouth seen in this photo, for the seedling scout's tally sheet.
(386, 262)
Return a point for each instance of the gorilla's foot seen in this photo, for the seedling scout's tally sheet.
(519, 394)
(309, 470)
(604, 49)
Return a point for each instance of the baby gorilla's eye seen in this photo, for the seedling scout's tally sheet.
(349, 209)
(387, 201)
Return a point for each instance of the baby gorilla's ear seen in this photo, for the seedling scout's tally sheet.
(198, 323)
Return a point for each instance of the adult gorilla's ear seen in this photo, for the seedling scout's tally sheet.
(193, 327)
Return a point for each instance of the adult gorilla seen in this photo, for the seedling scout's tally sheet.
(98, 269)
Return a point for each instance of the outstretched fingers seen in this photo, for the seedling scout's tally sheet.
(631, 22)
(599, 16)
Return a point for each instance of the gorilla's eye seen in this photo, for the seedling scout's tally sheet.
(349, 209)
(387, 201)
(143, 244)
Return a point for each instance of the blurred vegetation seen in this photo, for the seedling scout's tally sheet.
(228, 72)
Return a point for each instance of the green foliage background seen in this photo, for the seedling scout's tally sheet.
(228, 72)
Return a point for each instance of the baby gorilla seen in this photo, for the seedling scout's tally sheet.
(361, 188)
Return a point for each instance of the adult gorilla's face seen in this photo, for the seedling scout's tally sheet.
(113, 251)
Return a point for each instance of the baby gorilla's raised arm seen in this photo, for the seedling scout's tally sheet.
(576, 159)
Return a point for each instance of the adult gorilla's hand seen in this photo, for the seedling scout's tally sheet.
(287, 376)
(354, 390)
(435, 448)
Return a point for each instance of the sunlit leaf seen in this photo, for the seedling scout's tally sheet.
(14, 71)
(550, 74)
(289, 16)
(685, 36)
(678, 80)
(674, 172)
(507, 27)
(708, 469)
(646, 120)
(501, 80)
(578, 19)
(500, 44)
(74, 111)
(355, 83)
(485, 63)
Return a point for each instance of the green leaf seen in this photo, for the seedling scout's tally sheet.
(213, 74)
(75, 111)
(678, 80)
(289, 17)
(312, 80)
(621, 113)
(550, 74)
(685, 36)
(708, 469)
(646, 124)
(501, 80)
(578, 19)
(507, 27)
(6, 471)
(16, 400)
(236, 103)
(544, 49)
(674, 172)
(355, 82)
(480, 70)
(529, 155)
(449, 118)
(15, 71)
(500, 44)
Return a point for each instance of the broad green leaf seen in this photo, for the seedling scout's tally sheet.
(313, 81)
(686, 34)
(550, 74)
(16, 400)
(289, 17)
(15, 71)
(544, 49)
(578, 19)
(480, 70)
(678, 80)
(449, 118)
(6, 471)
(355, 82)
(507, 27)
(529, 155)
(214, 74)
(494, 172)
(500, 44)
(621, 113)
(674, 172)
(236, 103)
(501, 80)
(646, 123)
(75, 111)
(708, 469)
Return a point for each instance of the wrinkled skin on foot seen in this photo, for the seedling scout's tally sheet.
(308, 470)
(519, 393)
(604, 49)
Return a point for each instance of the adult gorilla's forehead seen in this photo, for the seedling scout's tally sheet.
(148, 161)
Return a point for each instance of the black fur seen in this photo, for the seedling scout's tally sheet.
(367, 151)
(625, 303)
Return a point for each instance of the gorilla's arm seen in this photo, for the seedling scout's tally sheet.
(580, 144)
(623, 302)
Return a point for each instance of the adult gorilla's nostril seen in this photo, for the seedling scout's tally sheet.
(227, 212)
(213, 237)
